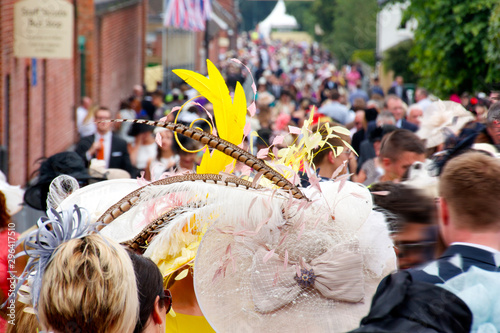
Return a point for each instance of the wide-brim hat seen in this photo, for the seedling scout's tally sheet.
(97, 198)
(301, 269)
(65, 163)
(97, 169)
(440, 117)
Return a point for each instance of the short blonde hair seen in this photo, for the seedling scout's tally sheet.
(89, 286)
(469, 183)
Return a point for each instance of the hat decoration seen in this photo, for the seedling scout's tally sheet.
(268, 253)
(442, 117)
(308, 270)
(41, 244)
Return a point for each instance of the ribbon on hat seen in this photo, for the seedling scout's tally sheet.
(336, 274)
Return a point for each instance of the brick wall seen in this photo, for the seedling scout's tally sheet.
(36, 107)
(37, 120)
(121, 48)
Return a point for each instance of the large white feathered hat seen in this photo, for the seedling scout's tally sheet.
(273, 256)
(301, 267)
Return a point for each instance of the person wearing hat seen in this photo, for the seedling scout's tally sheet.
(104, 145)
(64, 163)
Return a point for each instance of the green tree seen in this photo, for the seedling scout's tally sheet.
(398, 59)
(354, 28)
(302, 11)
(452, 44)
(324, 12)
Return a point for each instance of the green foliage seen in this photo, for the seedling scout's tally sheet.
(367, 56)
(301, 10)
(493, 53)
(452, 44)
(324, 13)
(354, 28)
(398, 58)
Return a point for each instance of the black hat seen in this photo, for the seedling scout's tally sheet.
(65, 163)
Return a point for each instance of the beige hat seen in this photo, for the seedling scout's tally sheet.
(98, 169)
(438, 117)
(300, 269)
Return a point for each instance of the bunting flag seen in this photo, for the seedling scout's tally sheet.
(187, 14)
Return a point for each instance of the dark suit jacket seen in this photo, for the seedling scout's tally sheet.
(119, 157)
(404, 125)
(408, 126)
(392, 91)
(471, 256)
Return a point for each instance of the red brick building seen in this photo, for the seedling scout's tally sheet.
(38, 97)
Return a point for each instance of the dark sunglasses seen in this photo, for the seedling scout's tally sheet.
(167, 297)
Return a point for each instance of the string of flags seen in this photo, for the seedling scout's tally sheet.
(187, 14)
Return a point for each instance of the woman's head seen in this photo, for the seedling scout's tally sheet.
(167, 140)
(89, 286)
(153, 301)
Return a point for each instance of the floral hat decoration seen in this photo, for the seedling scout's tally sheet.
(268, 255)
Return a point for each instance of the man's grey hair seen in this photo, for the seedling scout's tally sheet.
(493, 113)
(385, 118)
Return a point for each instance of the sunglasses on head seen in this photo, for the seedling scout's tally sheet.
(167, 297)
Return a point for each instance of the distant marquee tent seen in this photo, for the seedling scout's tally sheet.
(278, 19)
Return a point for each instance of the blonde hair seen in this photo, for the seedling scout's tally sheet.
(90, 286)
(24, 321)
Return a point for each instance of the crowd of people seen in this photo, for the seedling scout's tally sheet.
(368, 209)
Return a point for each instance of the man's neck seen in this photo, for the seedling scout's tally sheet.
(102, 134)
(490, 239)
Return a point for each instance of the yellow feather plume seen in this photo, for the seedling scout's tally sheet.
(229, 115)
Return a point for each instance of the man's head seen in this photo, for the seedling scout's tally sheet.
(494, 96)
(157, 98)
(138, 91)
(398, 151)
(103, 114)
(470, 195)
(465, 99)
(421, 94)
(334, 95)
(86, 102)
(415, 114)
(385, 118)
(493, 122)
(359, 119)
(412, 217)
(394, 105)
(399, 80)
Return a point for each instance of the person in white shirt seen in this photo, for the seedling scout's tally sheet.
(422, 98)
(85, 123)
(104, 145)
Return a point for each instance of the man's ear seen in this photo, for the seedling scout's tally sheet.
(157, 316)
(444, 212)
(386, 162)
(331, 157)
